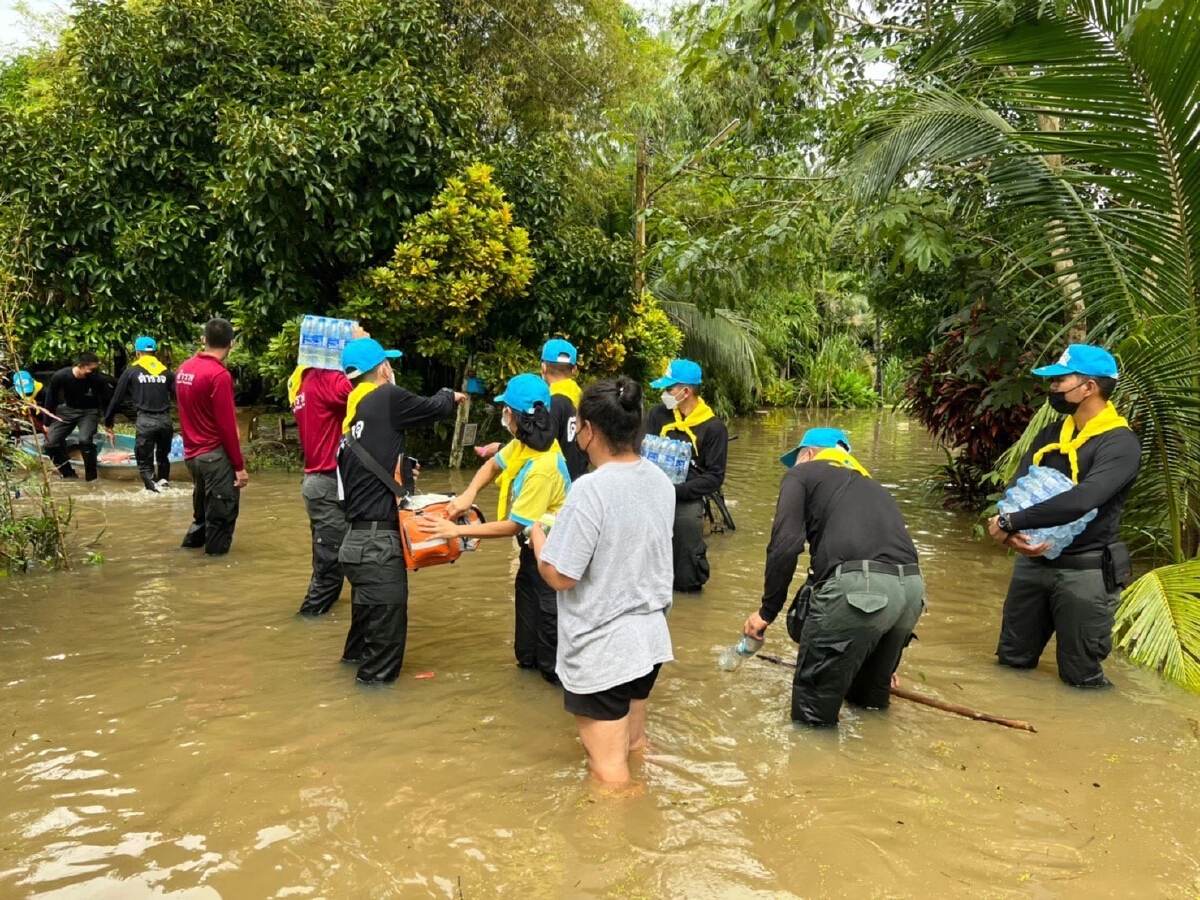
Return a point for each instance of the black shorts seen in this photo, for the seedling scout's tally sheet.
(613, 704)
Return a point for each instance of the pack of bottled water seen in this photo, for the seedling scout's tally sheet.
(673, 457)
(176, 453)
(322, 341)
(1041, 483)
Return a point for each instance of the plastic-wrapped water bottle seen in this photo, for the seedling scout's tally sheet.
(1040, 484)
(333, 344)
(682, 459)
(308, 342)
(650, 449)
(176, 452)
(666, 457)
(731, 658)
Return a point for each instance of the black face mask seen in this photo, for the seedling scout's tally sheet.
(1060, 404)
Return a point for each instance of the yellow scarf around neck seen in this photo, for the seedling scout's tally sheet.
(569, 389)
(29, 398)
(151, 364)
(293, 384)
(1108, 419)
(352, 402)
(523, 455)
(697, 417)
(842, 458)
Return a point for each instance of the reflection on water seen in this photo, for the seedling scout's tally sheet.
(171, 730)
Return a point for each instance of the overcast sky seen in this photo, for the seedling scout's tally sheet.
(12, 32)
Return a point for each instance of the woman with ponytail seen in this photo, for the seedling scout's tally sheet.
(609, 558)
(533, 480)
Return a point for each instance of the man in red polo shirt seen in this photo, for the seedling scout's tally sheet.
(318, 398)
(208, 423)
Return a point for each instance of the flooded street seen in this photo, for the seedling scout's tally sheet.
(170, 729)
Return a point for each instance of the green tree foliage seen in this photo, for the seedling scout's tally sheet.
(183, 158)
(457, 264)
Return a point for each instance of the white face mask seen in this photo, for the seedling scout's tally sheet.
(669, 400)
(506, 419)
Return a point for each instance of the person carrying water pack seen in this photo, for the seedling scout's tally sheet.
(378, 416)
(534, 482)
(211, 452)
(856, 613)
(318, 400)
(75, 398)
(684, 416)
(152, 386)
(1074, 596)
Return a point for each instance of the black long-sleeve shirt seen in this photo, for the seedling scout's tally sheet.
(564, 420)
(380, 424)
(151, 393)
(1108, 465)
(710, 454)
(89, 392)
(863, 524)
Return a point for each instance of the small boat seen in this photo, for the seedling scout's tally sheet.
(112, 461)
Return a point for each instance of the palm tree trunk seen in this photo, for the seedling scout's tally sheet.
(1064, 266)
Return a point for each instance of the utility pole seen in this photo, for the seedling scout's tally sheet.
(642, 197)
(641, 176)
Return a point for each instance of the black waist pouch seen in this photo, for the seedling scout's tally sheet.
(1118, 567)
(798, 611)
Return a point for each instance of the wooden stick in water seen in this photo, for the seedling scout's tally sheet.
(965, 711)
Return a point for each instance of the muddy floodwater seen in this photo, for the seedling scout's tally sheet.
(170, 729)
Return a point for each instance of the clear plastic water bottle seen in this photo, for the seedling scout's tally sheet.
(308, 337)
(1038, 485)
(334, 343)
(666, 457)
(682, 459)
(731, 658)
(650, 449)
(176, 453)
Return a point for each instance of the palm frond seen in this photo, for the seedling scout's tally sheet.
(1158, 622)
(1010, 460)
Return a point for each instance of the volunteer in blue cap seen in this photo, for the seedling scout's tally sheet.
(1074, 595)
(152, 387)
(684, 416)
(33, 392)
(533, 480)
(76, 397)
(378, 416)
(856, 612)
(559, 370)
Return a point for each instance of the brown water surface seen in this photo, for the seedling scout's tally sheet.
(171, 730)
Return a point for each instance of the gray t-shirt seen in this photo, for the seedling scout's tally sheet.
(614, 537)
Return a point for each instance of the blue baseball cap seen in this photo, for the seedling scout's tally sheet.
(363, 354)
(145, 344)
(680, 371)
(524, 391)
(23, 383)
(1081, 359)
(824, 438)
(559, 351)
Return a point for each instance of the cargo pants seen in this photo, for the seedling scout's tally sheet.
(373, 561)
(152, 442)
(535, 641)
(86, 420)
(215, 503)
(858, 624)
(1047, 597)
(327, 524)
(688, 548)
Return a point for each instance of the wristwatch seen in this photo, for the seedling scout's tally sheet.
(1005, 523)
